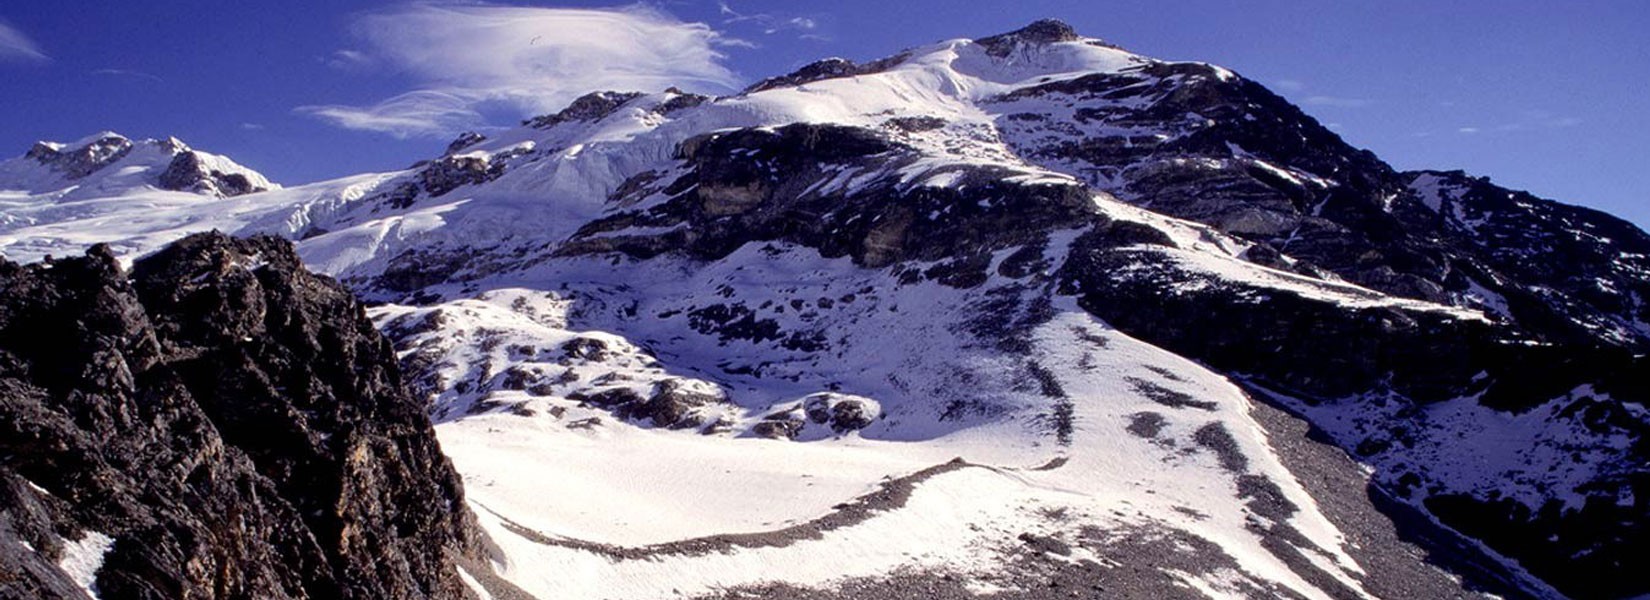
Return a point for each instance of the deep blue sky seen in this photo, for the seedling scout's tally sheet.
(1539, 95)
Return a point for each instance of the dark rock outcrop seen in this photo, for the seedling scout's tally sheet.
(589, 107)
(842, 414)
(229, 422)
(1566, 273)
(464, 140)
(1195, 141)
(1046, 31)
(188, 173)
(75, 163)
(1377, 360)
(451, 172)
(771, 184)
(830, 68)
(671, 403)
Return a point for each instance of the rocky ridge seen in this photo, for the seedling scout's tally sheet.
(216, 422)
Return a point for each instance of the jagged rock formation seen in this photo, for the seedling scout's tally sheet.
(829, 68)
(76, 162)
(217, 423)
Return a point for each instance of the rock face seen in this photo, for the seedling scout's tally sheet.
(74, 163)
(823, 69)
(588, 107)
(1046, 31)
(727, 200)
(1198, 142)
(219, 423)
(189, 172)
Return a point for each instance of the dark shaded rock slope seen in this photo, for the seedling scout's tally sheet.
(231, 424)
(1198, 142)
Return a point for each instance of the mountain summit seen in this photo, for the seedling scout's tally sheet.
(1046, 31)
(111, 163)
(989, 318)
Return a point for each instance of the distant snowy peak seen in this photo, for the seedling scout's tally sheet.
(201, 172)
(108, 162)
(1040, 33)
(1043, 51)
(50, 165)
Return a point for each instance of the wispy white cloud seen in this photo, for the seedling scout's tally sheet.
(15, 45)
(470, 58)
(1527, 120)
(419, 113)
(1337, 101)
(127, 73)
(736, 43)
(768, 22)
(348, 60)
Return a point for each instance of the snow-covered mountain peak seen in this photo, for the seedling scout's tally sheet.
(1044, 51)
(76, 159)
(1038, 33)
(97, 137)
(107, 163)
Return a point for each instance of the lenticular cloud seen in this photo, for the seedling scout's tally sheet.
(14, 45)
(530, 60)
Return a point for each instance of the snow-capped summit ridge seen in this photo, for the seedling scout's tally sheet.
(107, 162)
(1047, 48)
(96, 137)
(1045, 31)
